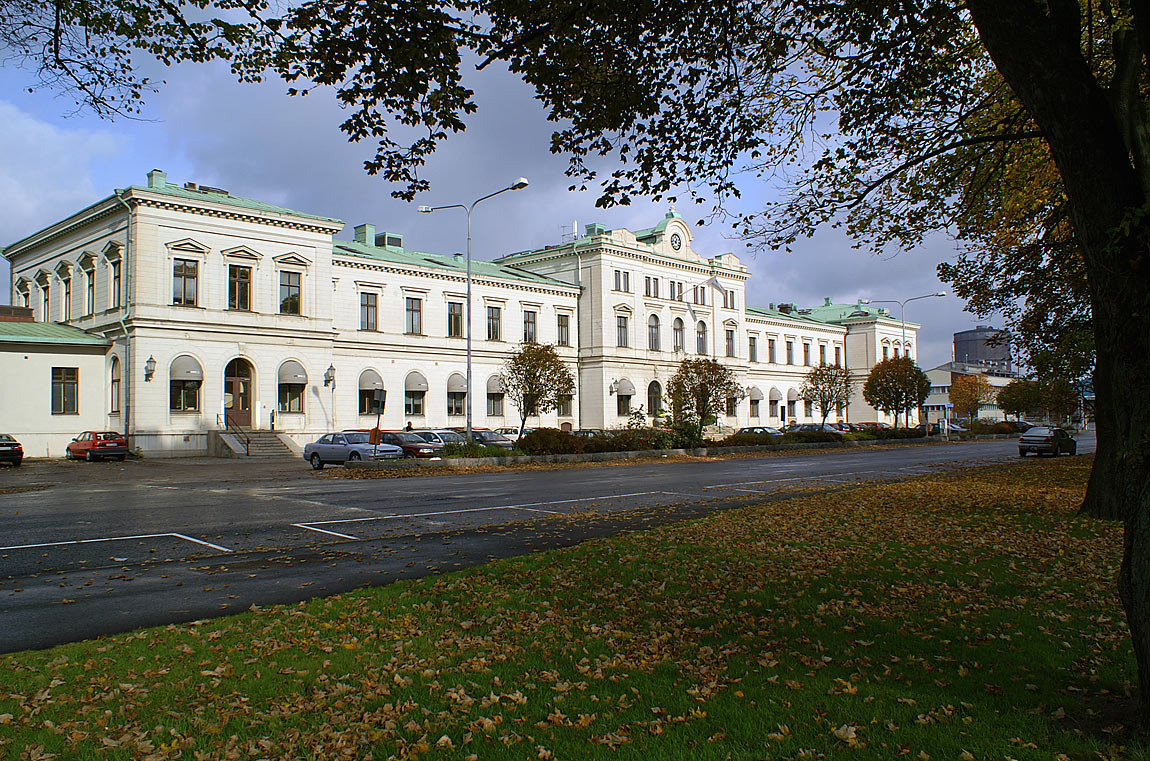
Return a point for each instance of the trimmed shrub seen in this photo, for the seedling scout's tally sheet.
(809, 437)
(746, 440)
(477, 450)
(553, 441)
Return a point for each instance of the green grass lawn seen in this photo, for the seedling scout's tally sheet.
(965, 617)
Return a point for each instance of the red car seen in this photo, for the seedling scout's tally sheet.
(411, 444)
(92, 445)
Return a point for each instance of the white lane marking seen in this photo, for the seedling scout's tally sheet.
(114, 539)
(324, 531)
(819, 477)
(532, 507)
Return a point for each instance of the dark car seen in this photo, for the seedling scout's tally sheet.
(759, 430)
(492, 439)
(813, 428)
(1042, 439)
(412, 444)
(348, 446)
(10, 450)
(94, 445)
(589, 432)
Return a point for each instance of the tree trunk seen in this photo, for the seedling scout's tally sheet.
(1035, 46)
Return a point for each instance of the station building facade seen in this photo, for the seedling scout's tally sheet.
(206, 309)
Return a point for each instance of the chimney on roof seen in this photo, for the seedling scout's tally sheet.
(15, 314)
(785, 308)
(827, 301)
(364, 233)
(394, 240)
(157, 179)
(594, 228)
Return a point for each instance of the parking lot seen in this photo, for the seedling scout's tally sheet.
(91, 548)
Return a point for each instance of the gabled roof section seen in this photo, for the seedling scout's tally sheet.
(47, 333)
(778, 314)
(446, 264)
(158, 183)
(843, 313)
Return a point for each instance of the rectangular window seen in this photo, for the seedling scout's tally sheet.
(753, 349)
(564, 408)
(620, 330)
(791, 408)
(493, 324)
(455, 319)
(651, 287)
(290, 292)
(730, 333)
(66, 317)
(115, 295)
(67, 299)
(65, 390)
(413, 316)
(495, 405)
(239, 288)
(367, 402)
(563, 330)
(773, 408)
(822, 354)
(623, 281)
(623, 405)
(838, 355)
(291, 397)
(184, 396)
(771, 351)
(89, 291)
(807, 354)
(728, 299)
(456, 402)
(808, 409)
(754, 407)
(46, 304)
(529, 327)
(114, 390)
(886, 352)
(699, 295)
(368, 311)
(185, 274)
(732, 406)
(413, 402)
(790, 352)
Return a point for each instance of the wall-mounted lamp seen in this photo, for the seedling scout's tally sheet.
(149, 369)
(329, 376)
(613, 387)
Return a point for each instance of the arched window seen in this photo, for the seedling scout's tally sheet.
(372, 395)
(654, 398)
(185, 377)
(292, 385)
(653, 332)
(114, 387)
(677, 342)
(701, 338)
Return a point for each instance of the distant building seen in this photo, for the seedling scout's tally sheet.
(941, 377)
(983, 346)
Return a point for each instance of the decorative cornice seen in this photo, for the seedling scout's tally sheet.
(295, 223)
(451, 277)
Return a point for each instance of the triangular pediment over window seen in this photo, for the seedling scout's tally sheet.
(188, 246)
(292, 260)
(242, 252)
(113, 251)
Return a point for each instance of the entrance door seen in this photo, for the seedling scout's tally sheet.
(238, 392)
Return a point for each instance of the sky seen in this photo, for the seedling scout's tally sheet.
(255, 141)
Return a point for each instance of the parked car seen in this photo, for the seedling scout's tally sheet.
(440, 436)
(933, 429)
(589, 432)
(347, 446)
(813, 427)
(92, 445)
(1043, 439)
(492, 439)
(513, 433)
(872, 426)
(759, 430)
(10, 450)
(413, 446)
(954, 427)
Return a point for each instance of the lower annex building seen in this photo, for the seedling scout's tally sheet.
(169, 311)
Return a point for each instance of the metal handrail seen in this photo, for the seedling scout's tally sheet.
(236, 429)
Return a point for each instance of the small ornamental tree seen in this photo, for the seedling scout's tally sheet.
(969, 393)
(536, 381)
(698, 392)
(1060, 399)
(1020, 397)
(896, 384)
(827, 387)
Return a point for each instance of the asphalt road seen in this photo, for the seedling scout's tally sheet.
(92, 549)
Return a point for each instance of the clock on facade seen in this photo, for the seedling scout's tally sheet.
(676, 241)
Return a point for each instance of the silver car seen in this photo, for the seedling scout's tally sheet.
(440, 436)
(348, 446)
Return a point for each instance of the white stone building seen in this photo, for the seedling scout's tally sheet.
(217, 310)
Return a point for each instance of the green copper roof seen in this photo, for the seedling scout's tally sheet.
(837, 313)
(46, 333)
(650, 231)
(210, 196)
(441, 262)
(778, 314)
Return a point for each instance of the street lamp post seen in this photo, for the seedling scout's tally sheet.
(902, 317)
(519, 184)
